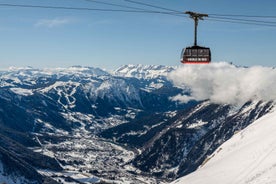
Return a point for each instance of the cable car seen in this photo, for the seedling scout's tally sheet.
(196, 54)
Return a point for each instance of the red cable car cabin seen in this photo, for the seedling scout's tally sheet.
(196, 55)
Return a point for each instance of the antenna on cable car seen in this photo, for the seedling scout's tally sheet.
(196, 54)
(196, 17)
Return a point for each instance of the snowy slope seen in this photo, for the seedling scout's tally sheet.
(249, 157)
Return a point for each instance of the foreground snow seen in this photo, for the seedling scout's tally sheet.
(247, 158)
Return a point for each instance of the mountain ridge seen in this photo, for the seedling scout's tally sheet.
(248, 157)
(122, 126)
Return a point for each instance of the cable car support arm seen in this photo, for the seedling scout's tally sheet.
(196, 16)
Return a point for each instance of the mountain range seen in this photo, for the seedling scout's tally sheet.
(87, 125)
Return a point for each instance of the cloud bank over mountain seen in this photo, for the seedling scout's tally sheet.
(225, 83)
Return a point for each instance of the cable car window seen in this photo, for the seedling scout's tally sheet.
(194, 52)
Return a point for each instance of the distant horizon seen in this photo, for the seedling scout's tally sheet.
(83, 66)
(115, 68)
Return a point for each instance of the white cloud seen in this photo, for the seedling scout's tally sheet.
(225, 83)
(50, 23)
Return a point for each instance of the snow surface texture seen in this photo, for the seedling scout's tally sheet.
(225, 83)
(247, 158)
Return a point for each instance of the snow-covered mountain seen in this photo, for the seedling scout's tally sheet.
(247, 158)
(176, 144)
(59, 112)
(89, 91)
(87, 125)
(144, 71)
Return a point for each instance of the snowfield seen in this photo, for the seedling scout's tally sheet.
(249, 157)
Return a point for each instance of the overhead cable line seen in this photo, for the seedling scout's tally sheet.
(239, 22)
(243, 20)
(172, 12)
(154, 6)
(130, 7)
(248, 16)
(117, 5)
(214, 17)
(81, 8)
(221, 17)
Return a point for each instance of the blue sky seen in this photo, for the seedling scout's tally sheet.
(59, 38)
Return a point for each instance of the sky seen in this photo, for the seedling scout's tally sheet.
(47, 38)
